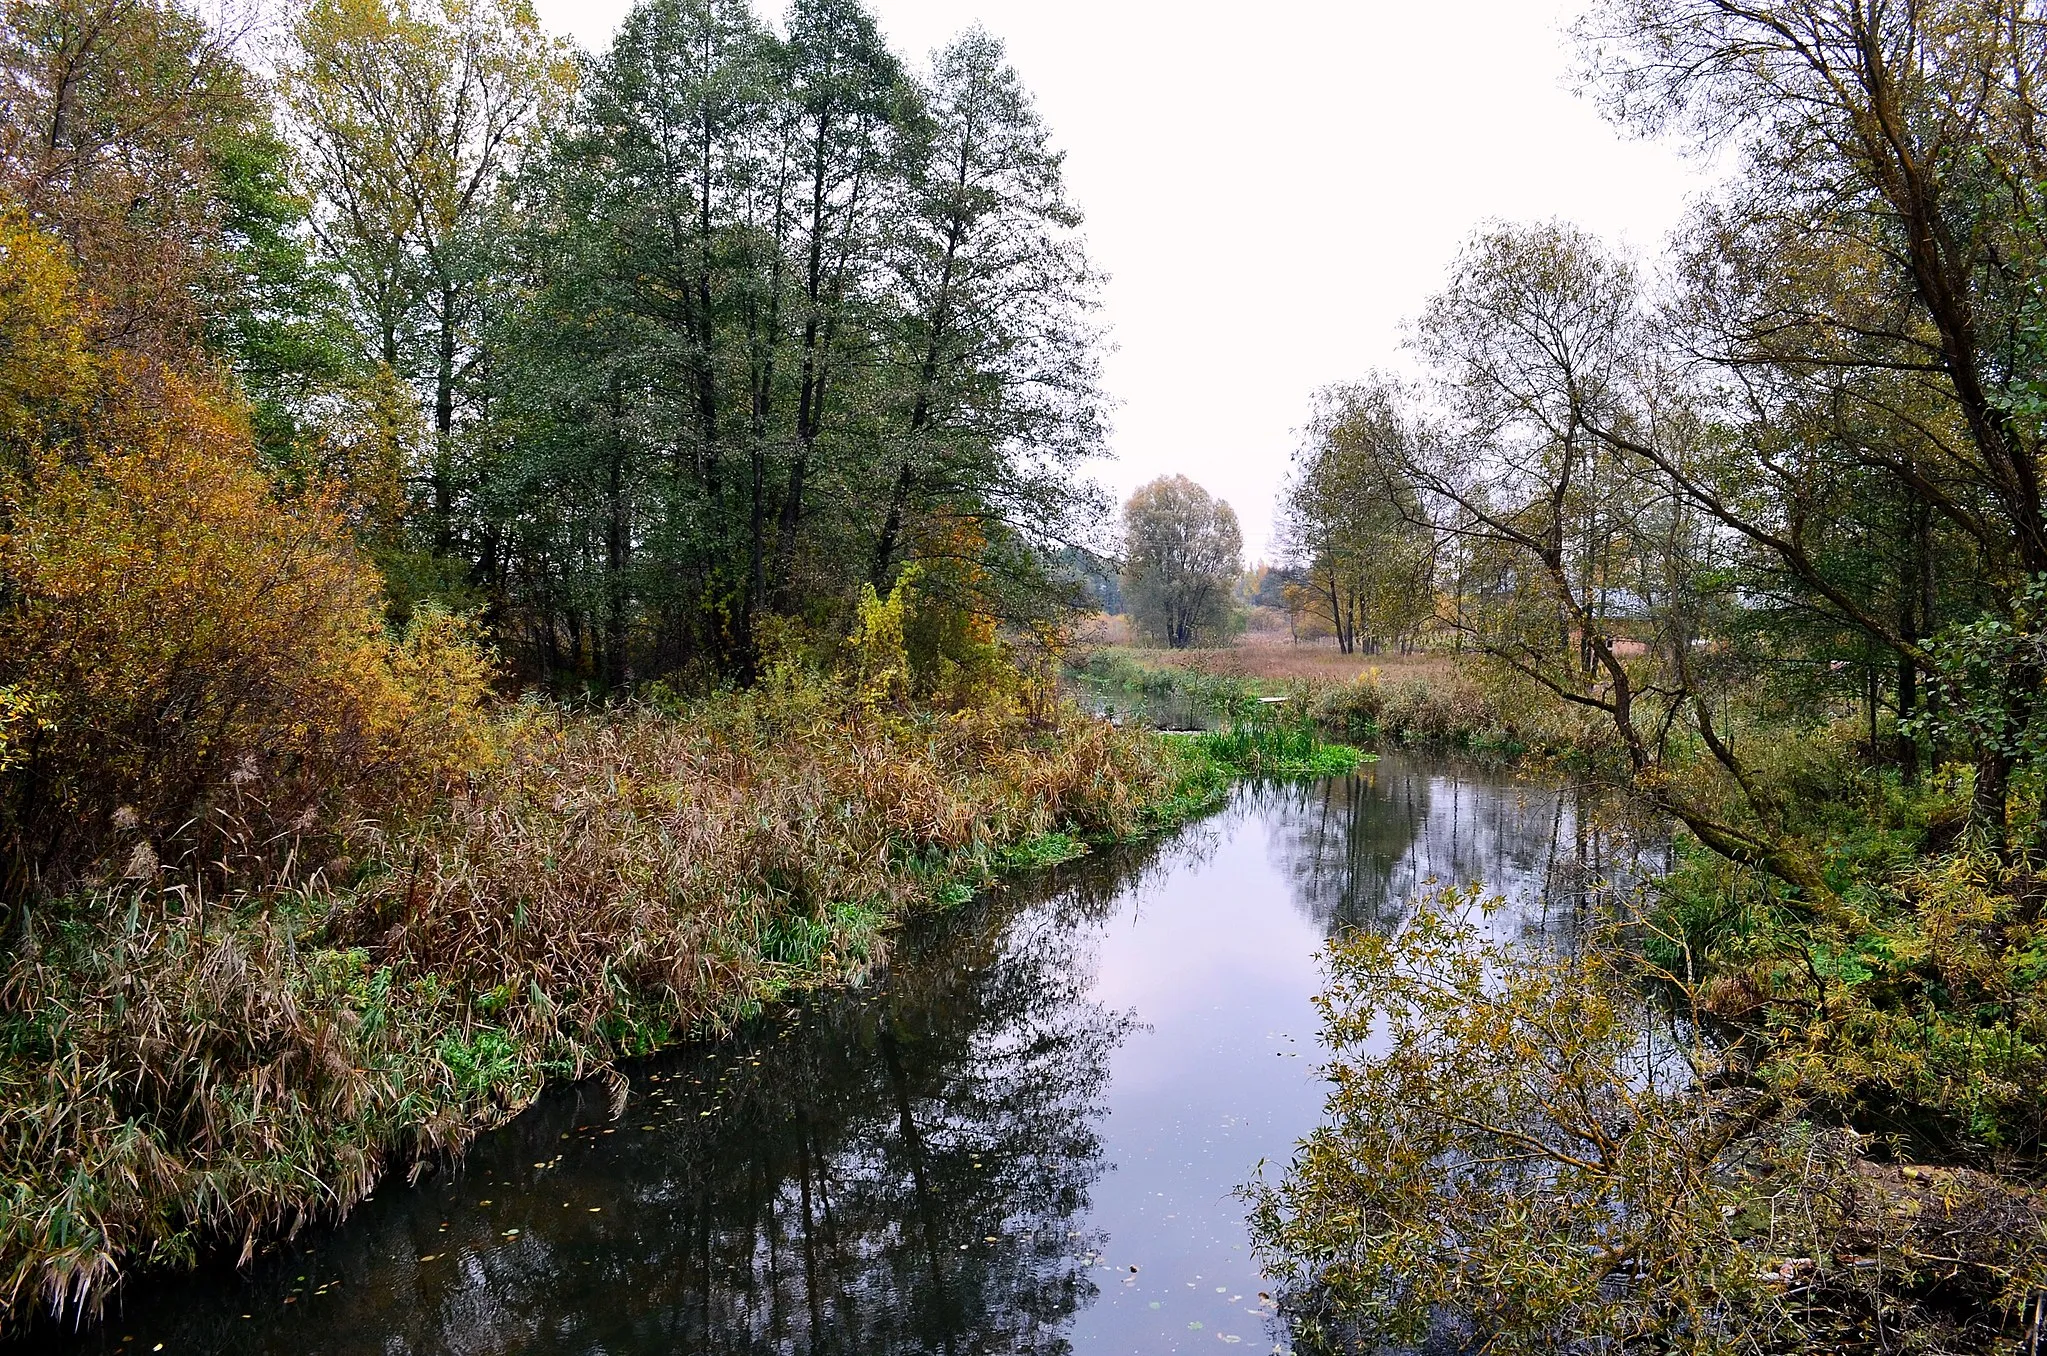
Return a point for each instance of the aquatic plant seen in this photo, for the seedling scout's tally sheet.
(1279, 748)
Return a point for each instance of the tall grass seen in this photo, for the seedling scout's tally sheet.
(174, 1072)
(1174, 698)
(1282, 748)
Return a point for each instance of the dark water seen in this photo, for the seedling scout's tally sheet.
(1024, 1138)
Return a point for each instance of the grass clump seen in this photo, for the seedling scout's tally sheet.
(1284, 749)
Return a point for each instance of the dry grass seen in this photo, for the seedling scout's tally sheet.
(1438, 699)
(1262, 659)
(174, 1076)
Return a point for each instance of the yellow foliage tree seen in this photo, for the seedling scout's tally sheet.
(45, 366)
(881, 665)
(187, 651)
(956, 657)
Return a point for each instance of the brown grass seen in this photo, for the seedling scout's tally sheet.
(1263, 660)
(172, 1076)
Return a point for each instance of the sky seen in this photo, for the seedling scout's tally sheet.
(1274, 189)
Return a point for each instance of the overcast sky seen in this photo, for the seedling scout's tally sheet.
(1273, 189)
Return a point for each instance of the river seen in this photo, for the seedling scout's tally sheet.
(1024, 1136)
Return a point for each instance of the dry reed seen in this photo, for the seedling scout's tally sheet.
(173, 1076)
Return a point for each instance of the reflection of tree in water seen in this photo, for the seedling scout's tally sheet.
(1358, 849)
(895, 1171)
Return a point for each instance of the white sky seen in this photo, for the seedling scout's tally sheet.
(1274, 188)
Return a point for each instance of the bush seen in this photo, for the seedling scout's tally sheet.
(206, 661)
(1516, 1147)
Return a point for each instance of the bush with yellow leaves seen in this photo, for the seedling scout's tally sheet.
(196, 662)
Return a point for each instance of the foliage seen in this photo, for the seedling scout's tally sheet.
(782, 317)
(1975, 667)
(192, 644)
(42, 326)
(881, 666)
(118, 116)
(1513, 1146)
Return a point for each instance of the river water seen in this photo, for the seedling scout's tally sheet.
(1024, 1137)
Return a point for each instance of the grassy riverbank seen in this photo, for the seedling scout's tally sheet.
(1427, 701)
(179, 1072)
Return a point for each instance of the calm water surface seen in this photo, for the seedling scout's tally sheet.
(1024, 1138)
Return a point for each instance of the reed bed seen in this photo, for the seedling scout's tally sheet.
(175, 1076)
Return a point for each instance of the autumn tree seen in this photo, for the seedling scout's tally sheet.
(1182, 553)
(1869, 285)
(1351, 521)
(410, 119)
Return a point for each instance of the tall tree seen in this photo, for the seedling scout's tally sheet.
(116, 118)
(1884, 246)
(804, 320)
(411, 118)
(995, 349)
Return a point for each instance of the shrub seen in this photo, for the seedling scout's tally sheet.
(1515, 1146)
(206, 661)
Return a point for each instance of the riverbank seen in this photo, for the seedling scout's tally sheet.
(1425, 701)
(182, 1073)
(1047, 1085)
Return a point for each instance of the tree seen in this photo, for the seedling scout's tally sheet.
(1182, 554)
(994, 348)
(411, 119)
(1569, 467)
(1879, 267)
(1351, 521)
(123, 119)
(788, 321)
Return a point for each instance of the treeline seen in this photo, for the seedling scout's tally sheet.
(621, 354)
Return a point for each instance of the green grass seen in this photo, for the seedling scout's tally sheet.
(1291, 750)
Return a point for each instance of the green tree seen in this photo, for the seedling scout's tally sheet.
(411, 119)
(1352, 522)
(788, 320)
(1182, 553)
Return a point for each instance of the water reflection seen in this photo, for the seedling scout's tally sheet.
(1024, 1139)
(1359, 850)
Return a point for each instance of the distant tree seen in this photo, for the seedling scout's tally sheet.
(1363, 552)
(1182, 557)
